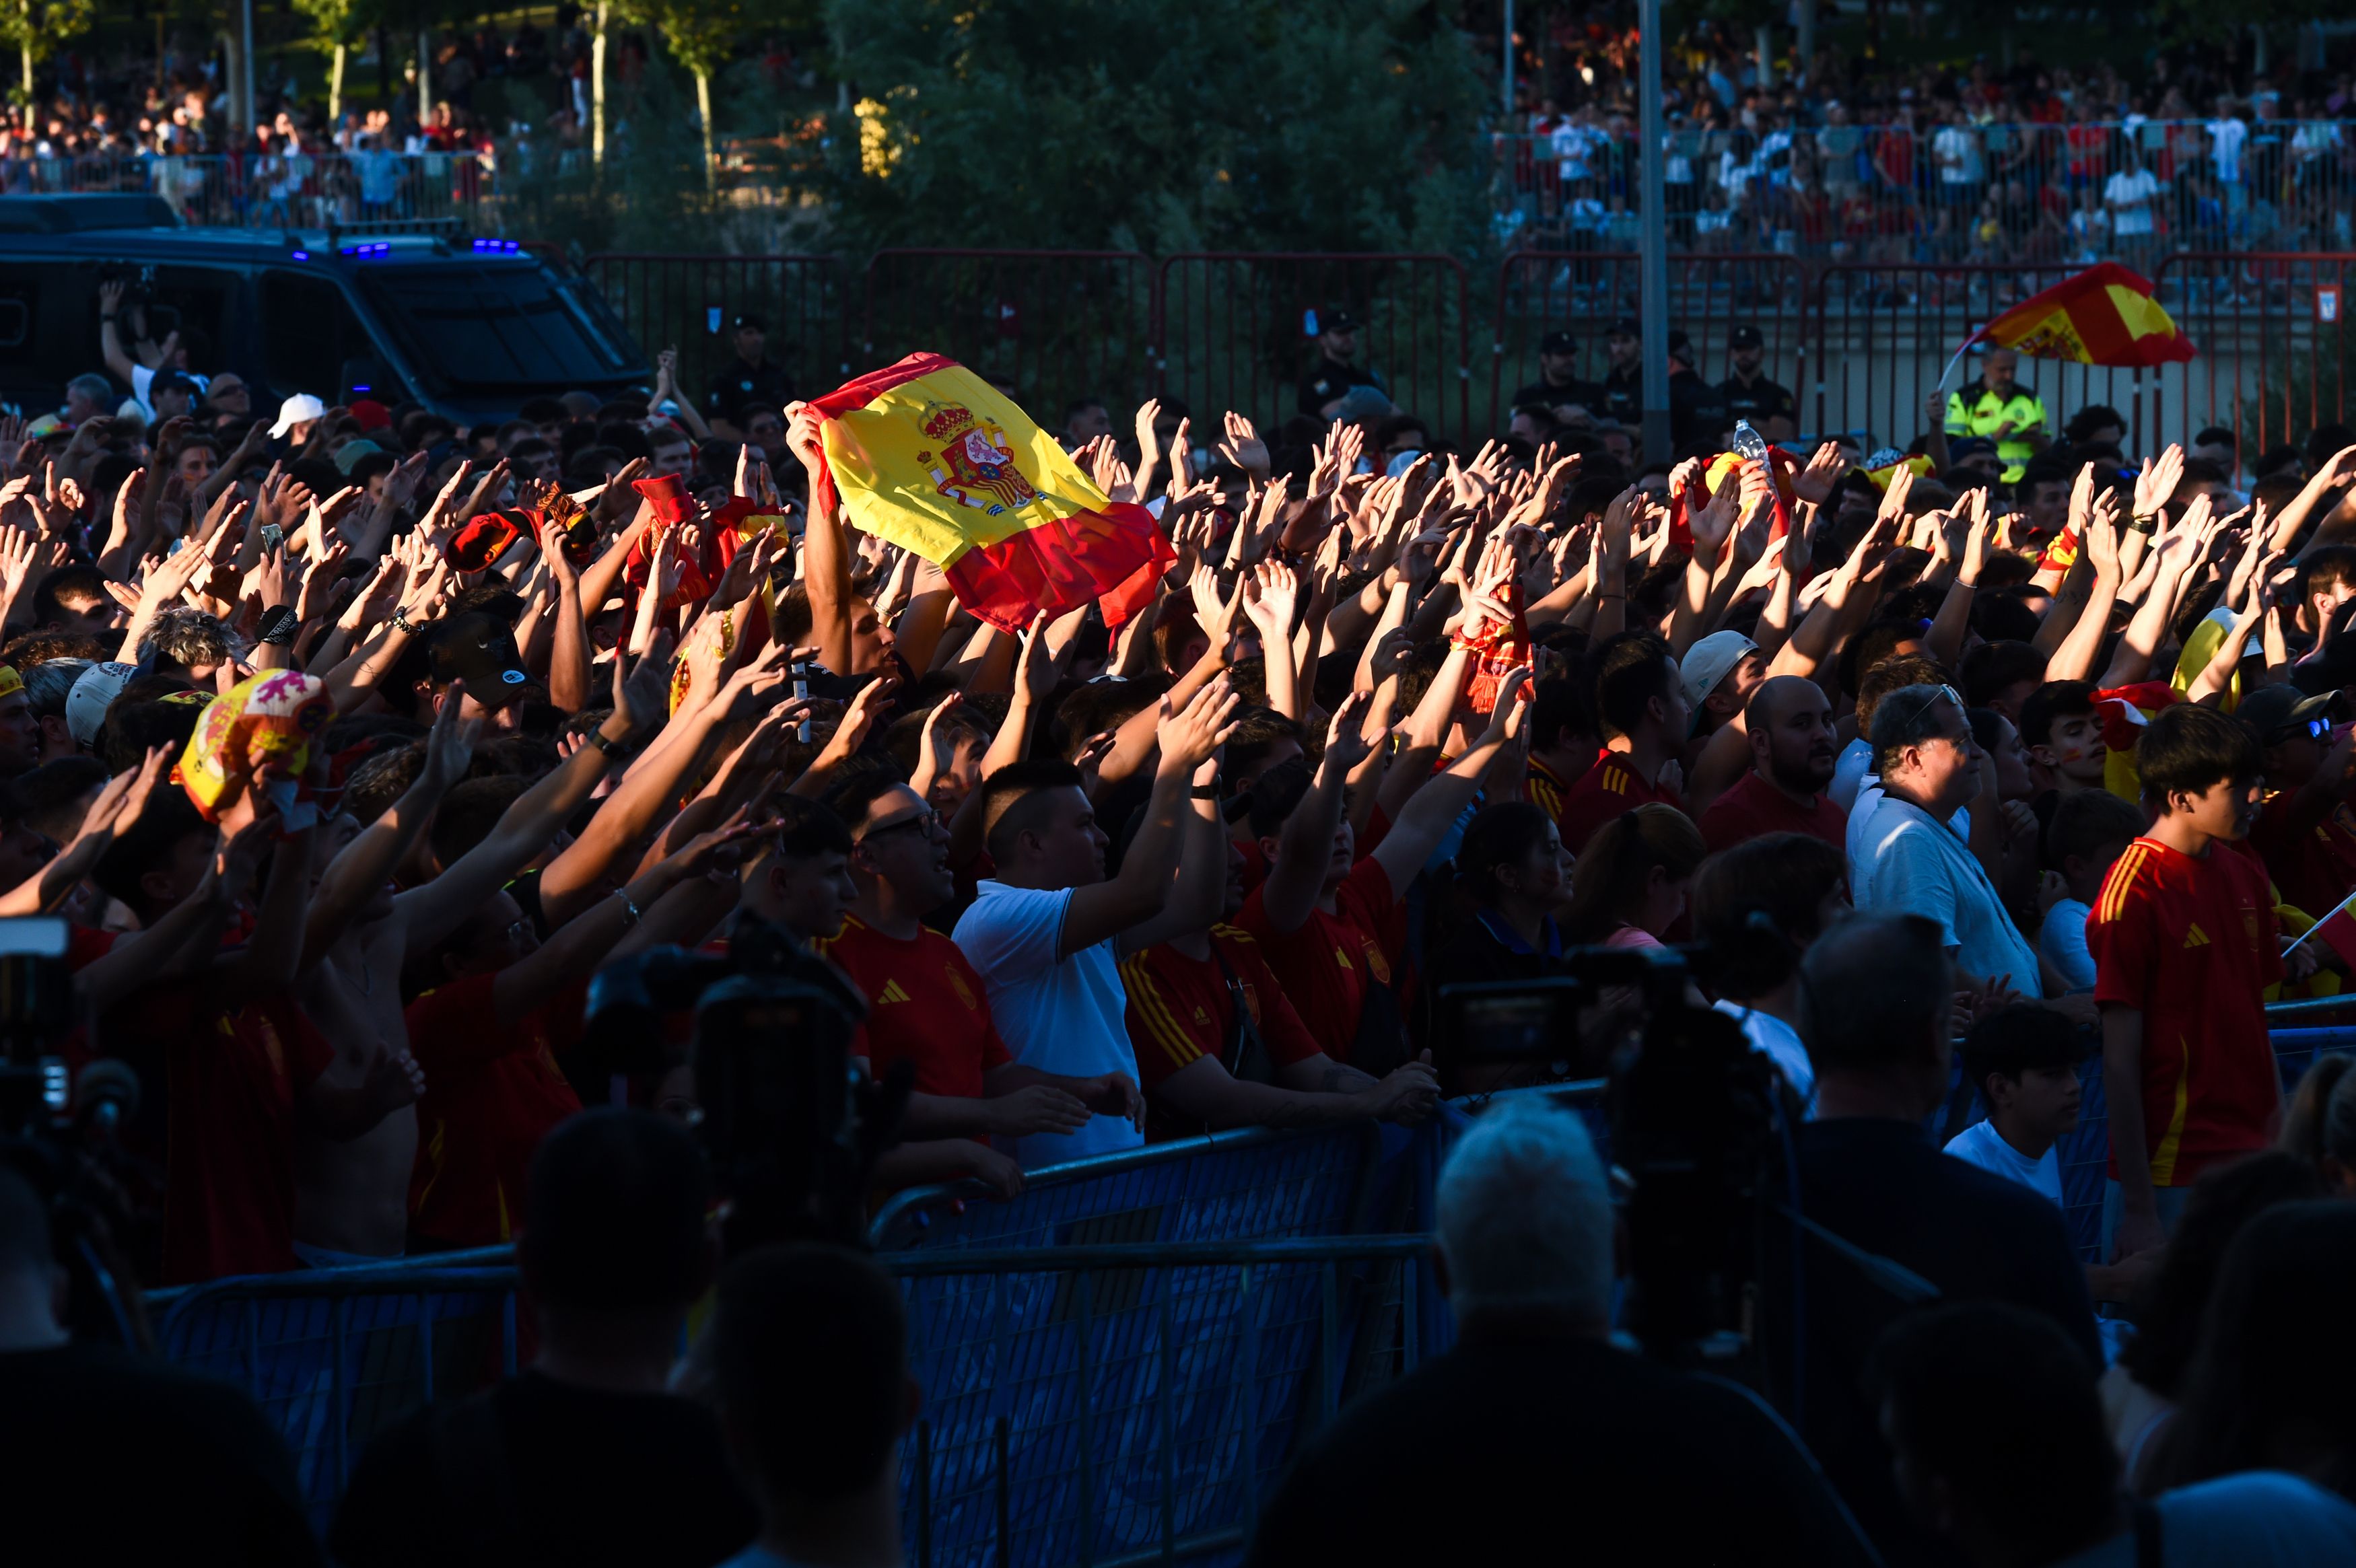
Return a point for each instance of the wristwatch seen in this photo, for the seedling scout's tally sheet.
(1202, 791)
(278, 626)
(612, 748)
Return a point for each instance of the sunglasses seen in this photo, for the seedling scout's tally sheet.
(2316, 729)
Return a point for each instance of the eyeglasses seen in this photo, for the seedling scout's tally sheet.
(928, 821)
(1923, 705)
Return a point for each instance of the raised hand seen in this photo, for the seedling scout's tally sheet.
(2155, 486)
(1243, 447)
(1189, 736)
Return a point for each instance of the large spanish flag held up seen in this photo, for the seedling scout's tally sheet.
(2105, 315)
(927, 456)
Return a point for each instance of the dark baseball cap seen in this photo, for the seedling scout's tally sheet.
(1745, 337)
(747, 319)
(1557, 342)
(1624, 327)
(1337, 321)
(1680, 346)
(2272, 709)
(479, 648)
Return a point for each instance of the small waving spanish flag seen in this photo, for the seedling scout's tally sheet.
(927, 456)
(2105, 315)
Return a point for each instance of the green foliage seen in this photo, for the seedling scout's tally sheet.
(344, 22)
(1246, 125)
(34, 29)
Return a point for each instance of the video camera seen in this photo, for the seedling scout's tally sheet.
(1693, 1128)
(792, 1126)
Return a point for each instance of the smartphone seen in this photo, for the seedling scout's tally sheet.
(273, 536)
(801, 694)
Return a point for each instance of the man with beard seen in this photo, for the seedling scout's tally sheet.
(1790, 727)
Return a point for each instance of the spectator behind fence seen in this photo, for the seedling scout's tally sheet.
(1878, 1024)
(586, 1458)
(2141, 1389)
(1792, 754)
(1655, 1465)
(2184, 942)
(1905, 856)
(806, 1362)
(113, 1457)
(1999, 1449)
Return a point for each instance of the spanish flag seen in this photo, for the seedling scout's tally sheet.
(927, 456)
(2105, 315)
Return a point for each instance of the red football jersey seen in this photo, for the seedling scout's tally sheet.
(1608, 789)
(492, 1093)
(2192, 943)
(925, 1002)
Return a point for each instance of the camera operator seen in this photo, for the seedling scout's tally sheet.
(587, 1458)
(1880, 992)
(1534, 1427)
(113, 1457)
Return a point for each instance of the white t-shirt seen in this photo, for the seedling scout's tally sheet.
(1980, 1143)
(1780, 1044)
(1957, 149)
(1907, 863)
(1057, 1014)
(2225, 139)
(2062, 942)
(2258, 1519)
(2134, 191)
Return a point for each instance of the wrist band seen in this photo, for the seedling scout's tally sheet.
(400, 620)
(611, 748)
(1204, 792)
(278, 626)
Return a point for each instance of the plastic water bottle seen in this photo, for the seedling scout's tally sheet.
(1748, 443)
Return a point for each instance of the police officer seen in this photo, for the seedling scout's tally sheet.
(2000, 408)
(1559, 388)
(749, 376)
(1623, 382)
(1698, 415)
(1333, 375)
(1749, 395)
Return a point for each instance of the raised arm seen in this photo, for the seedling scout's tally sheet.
(1424, 820)
(1296, 876)
(367, 862)
(826, 553)
(1117, 907)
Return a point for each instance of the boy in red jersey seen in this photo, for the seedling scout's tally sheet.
(2184, 943)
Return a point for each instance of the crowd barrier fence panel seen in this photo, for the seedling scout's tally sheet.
(1232, 332)
(1058, 326)
(1538, 292)
(2271, 329)
(688, 303)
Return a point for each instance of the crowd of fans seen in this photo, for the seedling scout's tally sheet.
(2023, 740)
(1854, 160)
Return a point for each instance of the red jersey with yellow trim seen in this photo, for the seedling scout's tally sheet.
(1325, 965)
(1181, 1011)
(925, 1003)
(492, 1093)
(1546, 789)
(1611, 788)
(2312, 870)
(2192, 944)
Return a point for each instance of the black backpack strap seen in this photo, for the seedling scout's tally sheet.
(1243, 1053)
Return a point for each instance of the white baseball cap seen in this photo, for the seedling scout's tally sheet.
(91, 695)
(300, 409)
(1707, 661)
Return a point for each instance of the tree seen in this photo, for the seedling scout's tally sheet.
(344, 23)
(702, 34)
(37, 26)
(1251, 125)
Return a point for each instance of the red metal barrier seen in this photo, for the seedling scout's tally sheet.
(1232, 332)
(687, 302)
(1884, 334)
(1056, 326)
(2273, 334)
(1583, 293)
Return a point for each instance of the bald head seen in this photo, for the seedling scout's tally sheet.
(1790, 725)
